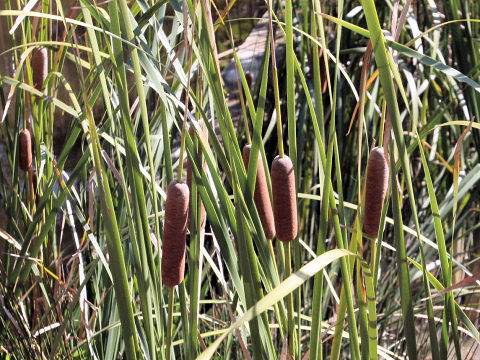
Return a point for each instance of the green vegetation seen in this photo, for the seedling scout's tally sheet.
(82, 215)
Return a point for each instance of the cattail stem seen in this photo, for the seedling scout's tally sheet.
(276, 91)
(187, 98)
(182, 150)
(382, 123)
(170, 323)
(182, 296)
(32, 190)
(291, 325)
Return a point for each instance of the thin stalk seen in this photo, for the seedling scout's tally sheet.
(277, 309)
(292, 139)
(276, 91)
(187, 96)
(297, 261)
(290, 58)
(291, 324)
(170, 323)
(166, 145)
(362, 310)
(371, 307)
(382, 123)
(182, 295)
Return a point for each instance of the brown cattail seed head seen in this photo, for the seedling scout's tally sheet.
(284, 198)
(203, 136)
(174, 234)
(39, 67)
(375, 191)
(261, 196)
(25, 150)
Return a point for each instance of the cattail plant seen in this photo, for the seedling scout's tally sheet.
(284, 198)
(204, 136)
(174, 234)
(376, 187)
(261, 196)
(25, 150)
(39, 66)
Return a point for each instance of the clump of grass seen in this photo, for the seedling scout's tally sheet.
(284, 198)
(39, 66)
(376, 190)
(25, 150)
(261, 195)
(174, 233)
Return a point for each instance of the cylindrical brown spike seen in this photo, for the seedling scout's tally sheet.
(284, 198)
(174, 234)
(39, 67)
(25, 150)
(375, 190)
(261, 196)
(203, 136)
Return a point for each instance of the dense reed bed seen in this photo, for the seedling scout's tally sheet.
(346, 228)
